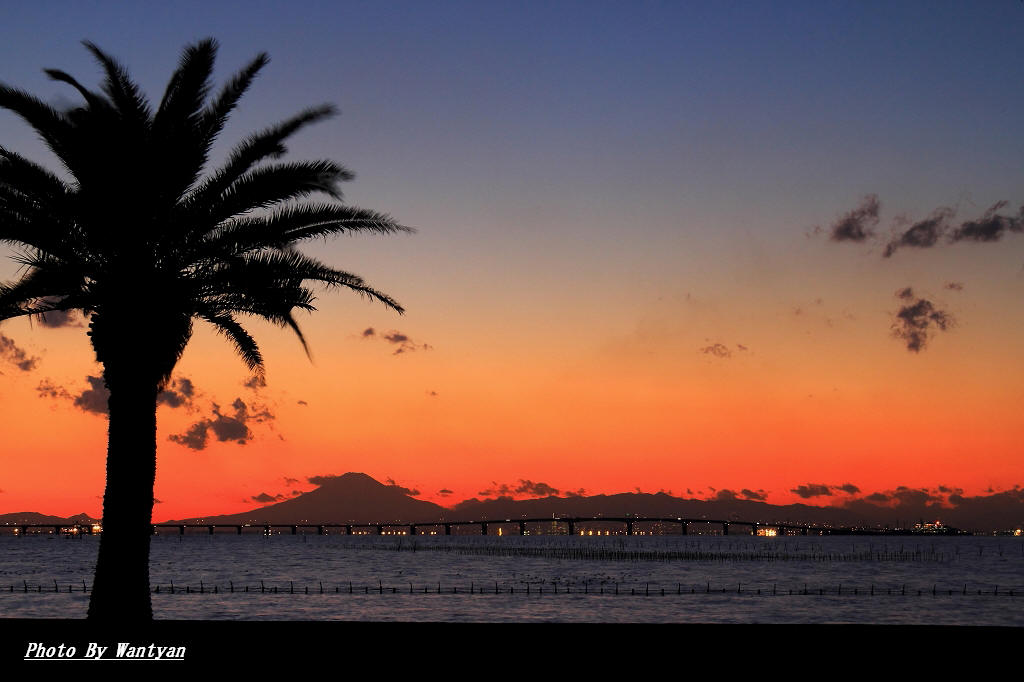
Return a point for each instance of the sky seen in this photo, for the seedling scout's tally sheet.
(661, 246)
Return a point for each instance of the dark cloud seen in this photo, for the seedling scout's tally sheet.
(179, 393)
(194, 438)
(395, 338)
(848, 488)
(255, 382)
(857, 225)
(527, 487)
(741, 347)
(411, 492)
(291, 481)
(432, 394)
(10, 352)
(496, 490)
(225, 427)
(954, 286)
(759, 495)
(812, 490)
(302, 402)
(321, 480)
(913, 496)
(94, 398)
(444, 492)
(48, 389)
(990, 227)
(719, 350)
(922, 234)
(59, 318)
(579, 492)
(878, 498)
(916, 322)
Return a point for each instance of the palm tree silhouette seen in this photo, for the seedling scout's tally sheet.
(139, 240)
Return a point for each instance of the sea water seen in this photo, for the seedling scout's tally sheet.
(608, 579)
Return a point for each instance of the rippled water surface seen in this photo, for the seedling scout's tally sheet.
(660, 579)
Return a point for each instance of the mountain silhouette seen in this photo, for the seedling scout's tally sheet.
(16, 518)
(349, 498)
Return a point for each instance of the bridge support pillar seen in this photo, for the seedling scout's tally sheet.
(238, 529)
(572, 527)
(522, 528)
(753, 529)
(629, 527)
(725, 528)
(412, 530)
(210, 529)
(483, 529)
(682, 527)
(803, 531)
(181, 530)
(348, 530)
(380, 530)
(447, 529)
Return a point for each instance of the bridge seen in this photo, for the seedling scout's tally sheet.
(575, 525)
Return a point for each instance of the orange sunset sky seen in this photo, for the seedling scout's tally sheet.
(636, 264)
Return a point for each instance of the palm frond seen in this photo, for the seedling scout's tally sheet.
(267, 144)
(29, 178)
(292, 224)
(243, 342)
(277, 183)
(216, 113)
(90, 98)
(289, 268)
(123, 92)
(49, 123)
(42, 290)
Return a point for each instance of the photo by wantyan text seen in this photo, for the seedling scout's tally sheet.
(94, 650)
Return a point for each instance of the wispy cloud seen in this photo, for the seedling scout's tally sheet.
(857, 225)
(403, 342)
(719, 350)
(990, 227)
(411, 492)
(18, 357)
(917, 320)
(922, 234)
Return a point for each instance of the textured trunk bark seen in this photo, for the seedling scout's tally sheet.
(120, 590)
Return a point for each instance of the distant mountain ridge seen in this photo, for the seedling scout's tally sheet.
(16, 518)
(359, 499)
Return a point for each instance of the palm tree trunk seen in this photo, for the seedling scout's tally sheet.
(121, 585)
